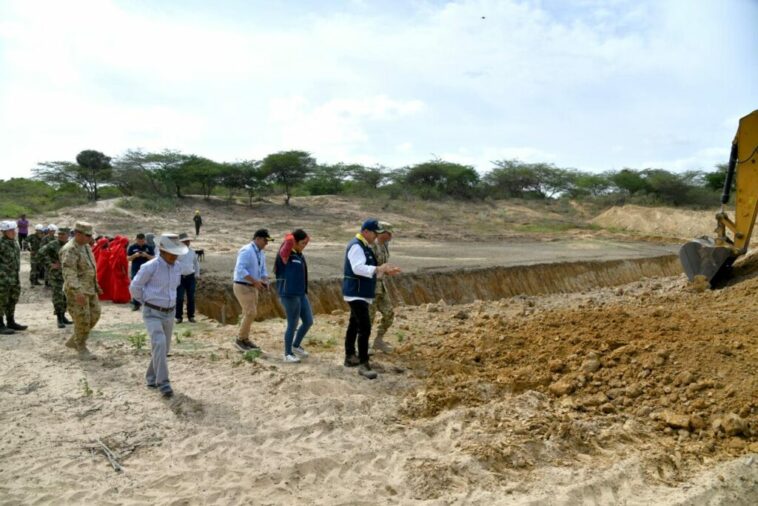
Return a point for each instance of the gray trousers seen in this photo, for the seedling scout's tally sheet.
(160, 327)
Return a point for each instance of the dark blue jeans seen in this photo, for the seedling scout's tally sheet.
(296, 308)
(187, 285)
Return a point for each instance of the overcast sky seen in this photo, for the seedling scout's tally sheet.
(589, 84)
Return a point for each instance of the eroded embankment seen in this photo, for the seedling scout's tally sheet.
(216, 300)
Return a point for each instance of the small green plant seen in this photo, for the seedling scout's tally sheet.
(251, 355)
(187, 333)
(138, 340)
(400, 336)
(86, 390)
(213, 357)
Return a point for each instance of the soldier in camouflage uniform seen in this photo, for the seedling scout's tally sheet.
(35, 242)
(52, 229)
(382, 302)
(49, 255)
(80, 286)
(10, 284)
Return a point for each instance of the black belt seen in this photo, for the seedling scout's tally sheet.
(158, 308)
(188, 275)
(243, 283)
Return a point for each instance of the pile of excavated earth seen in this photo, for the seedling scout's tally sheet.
(654, 366)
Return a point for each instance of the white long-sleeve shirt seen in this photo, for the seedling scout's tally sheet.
(189, 264)
(156, 282)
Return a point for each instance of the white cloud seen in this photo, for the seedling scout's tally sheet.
(591, 84)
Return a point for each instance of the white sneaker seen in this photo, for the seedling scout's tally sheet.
(291, 359)
(300, 352)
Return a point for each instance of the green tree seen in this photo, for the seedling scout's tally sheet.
(252, 179)
(512, 178)
(441, 178)
(288, 169)
(138, 173)
(91, 170)
(327, 179)
(630, 181)
(715, 180)
(202, 171)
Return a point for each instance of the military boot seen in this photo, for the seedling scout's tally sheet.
(5, 331)
(380, 345)
(64, 319)
(13, 325)
(61, 325)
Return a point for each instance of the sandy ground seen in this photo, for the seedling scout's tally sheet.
(641, 394)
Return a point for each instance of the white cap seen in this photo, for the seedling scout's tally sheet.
(52, 227)
(170, 243)
(39, 226)
(7, 225)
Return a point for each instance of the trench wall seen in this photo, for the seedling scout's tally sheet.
(216, 300)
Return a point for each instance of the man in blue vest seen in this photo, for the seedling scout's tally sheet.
(359, 290)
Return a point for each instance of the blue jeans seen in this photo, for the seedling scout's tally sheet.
(297, 308)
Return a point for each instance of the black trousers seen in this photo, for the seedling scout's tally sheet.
(197, 228)
(360, 328)
(187, 286)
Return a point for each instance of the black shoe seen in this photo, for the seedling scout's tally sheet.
(65, 320)
(5, 331)
(245, 345)
(178, 320)
(166, 391)
(15, 326)
(191, 320)
(366, 371)
(151, 385)
(61, 325)
(36, 283)
(135, 307)
(352, 361)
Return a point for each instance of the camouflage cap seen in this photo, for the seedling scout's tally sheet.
(385, 226)
(63, 230)
(83, 227)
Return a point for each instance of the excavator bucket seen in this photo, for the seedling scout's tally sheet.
(701, 257)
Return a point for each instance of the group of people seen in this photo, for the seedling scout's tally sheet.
(161, 281)
(366, 263)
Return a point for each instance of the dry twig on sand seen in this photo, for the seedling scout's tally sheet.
(112, 458)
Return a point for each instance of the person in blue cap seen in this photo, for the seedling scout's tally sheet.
(359, 291)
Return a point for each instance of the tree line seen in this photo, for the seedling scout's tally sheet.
(173, 174)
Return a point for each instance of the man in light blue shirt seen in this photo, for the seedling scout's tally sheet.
(250, 276)
(154, 287)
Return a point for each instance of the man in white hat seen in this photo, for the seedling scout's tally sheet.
(154, 287)
(10, 285)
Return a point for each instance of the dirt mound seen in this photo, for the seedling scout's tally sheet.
(658, 221)
(652, 365)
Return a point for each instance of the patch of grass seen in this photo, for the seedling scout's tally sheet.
(546, 228)
(187, 333)
(213, 357)
(153, 205)
(86, 390)
(138, 340)
(251, 355)
(400, 336)
(178, 339)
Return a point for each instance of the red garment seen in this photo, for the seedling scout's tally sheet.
(119, 265)
(286, 248)
(101, 252)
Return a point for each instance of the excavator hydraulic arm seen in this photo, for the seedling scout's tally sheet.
(708, 257)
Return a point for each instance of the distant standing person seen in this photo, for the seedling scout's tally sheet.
(250, 276)
(80, 286)
(35, 243)
(154, 287)
(292, 285)
(139, 254)
(10, 282)
(50, 255)
(382, 302)
(23, 231)
(358, 290)
(198, 222)
(190, 269)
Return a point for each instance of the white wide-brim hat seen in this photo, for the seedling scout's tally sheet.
(170, 243)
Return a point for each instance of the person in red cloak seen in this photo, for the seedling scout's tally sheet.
(119, 265)
(101, 252)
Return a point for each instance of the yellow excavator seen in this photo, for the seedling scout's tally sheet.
(710, 257)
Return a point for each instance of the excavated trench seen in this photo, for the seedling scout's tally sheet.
(216, 300)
